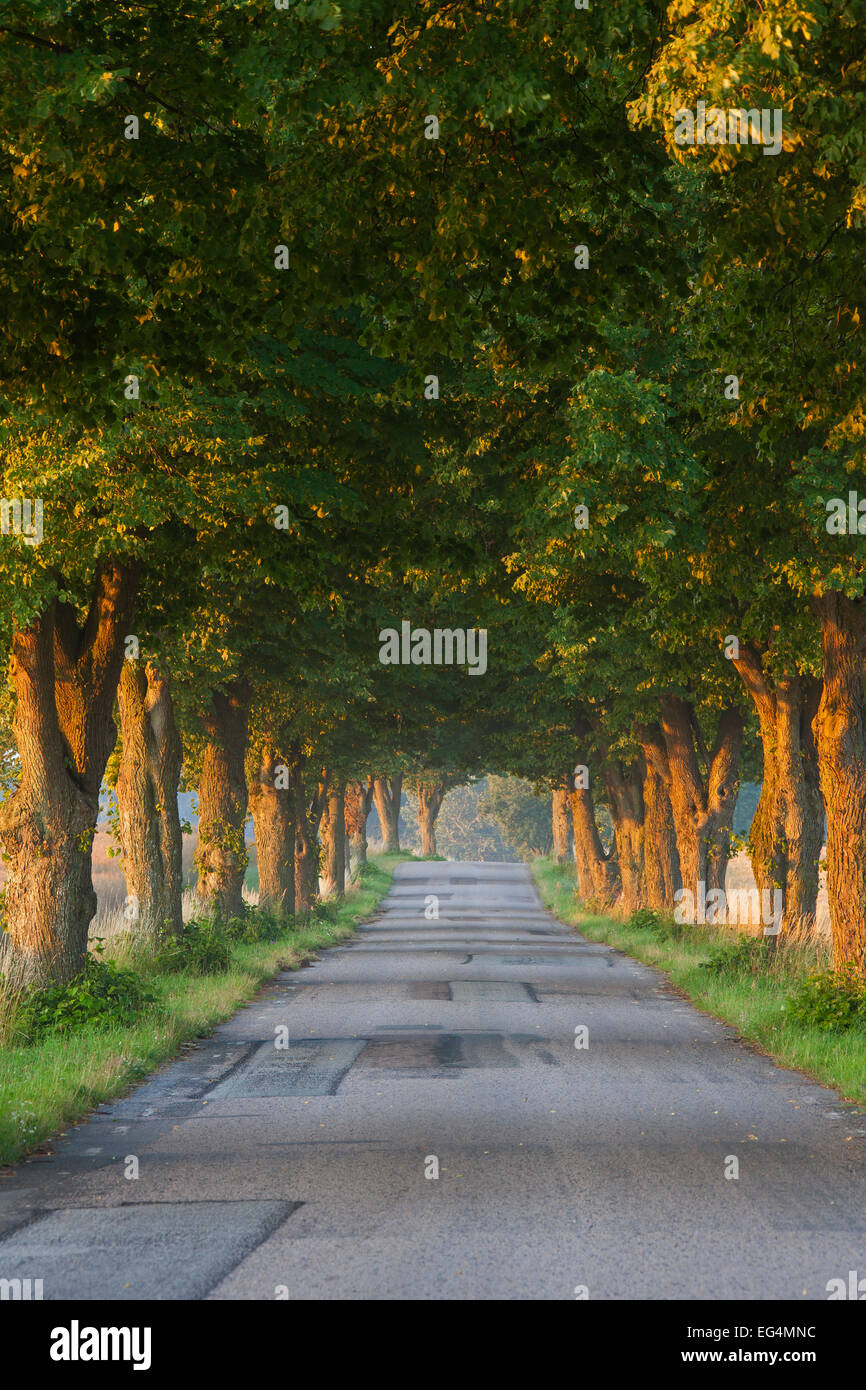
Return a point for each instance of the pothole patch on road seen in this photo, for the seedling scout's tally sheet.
(309, 1067)
(424, 1056)
(492, 991)
(430, 989)
(149, 1250)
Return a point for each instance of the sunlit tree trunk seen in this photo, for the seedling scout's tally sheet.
(840, 733)
(221, 856)
(274, 826)
(561, 824)
(147, 783)
(787, 830)
(65, 680)
(597, 873)
(661, 861)
(702, 805)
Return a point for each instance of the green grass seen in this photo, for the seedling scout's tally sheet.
(59, 1078)
(752, 998)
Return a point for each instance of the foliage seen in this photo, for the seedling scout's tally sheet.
(830, 999)
(104, 994)
(645, 919)
(204, 948)
(747, 955)
(523, 817)
(565, 388)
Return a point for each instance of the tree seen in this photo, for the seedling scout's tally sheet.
(522, 816)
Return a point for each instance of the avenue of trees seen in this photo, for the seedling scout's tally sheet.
(319, 320)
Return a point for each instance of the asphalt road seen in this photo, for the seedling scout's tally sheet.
(448, 1045)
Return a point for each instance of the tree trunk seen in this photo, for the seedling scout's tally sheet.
(306, 847)
(221, 857)
(625, 802)
(801, 811)
(332, 830)
(703, 808)
(387, 794)
(430, 797)
(274, 825)
(561, 819)
(766, 842)
(840, 734)
(787, 831)
(358, 801)
(597, 873)
(65, 680)
(150, 833)
(804, 893)
(661, 861)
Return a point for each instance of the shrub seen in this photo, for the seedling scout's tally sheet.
(830, 999)
(324, 910)
(203, 949)
(748, 955)
(258, 924)
(102, 993)
(645, 919)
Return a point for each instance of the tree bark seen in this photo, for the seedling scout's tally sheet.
(597, 873)
(359, 797)
(801, 810)
(561, 818)
(804, 893)
(65, 680)
(221, 857)
(332, 830)
(703, 808)
(840, 734)
(147, 783)
(274, 825)
(306, 847)
(387, 793)
(625, 802)
(766, 846)
(661, 861)
(430, 797)
(787, 831)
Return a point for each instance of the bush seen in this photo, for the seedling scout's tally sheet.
(258, 924)
(748, 955)
(203, 949)
(645, 919)
(325, 910)
(102, 993)
(830, 999)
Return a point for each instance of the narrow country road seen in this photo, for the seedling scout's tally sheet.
(300, 1171)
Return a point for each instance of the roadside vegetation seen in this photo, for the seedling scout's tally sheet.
(787, 1001)
(68, 1048)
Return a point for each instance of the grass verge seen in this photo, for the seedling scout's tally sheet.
(729, 979)
(60, 1077)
